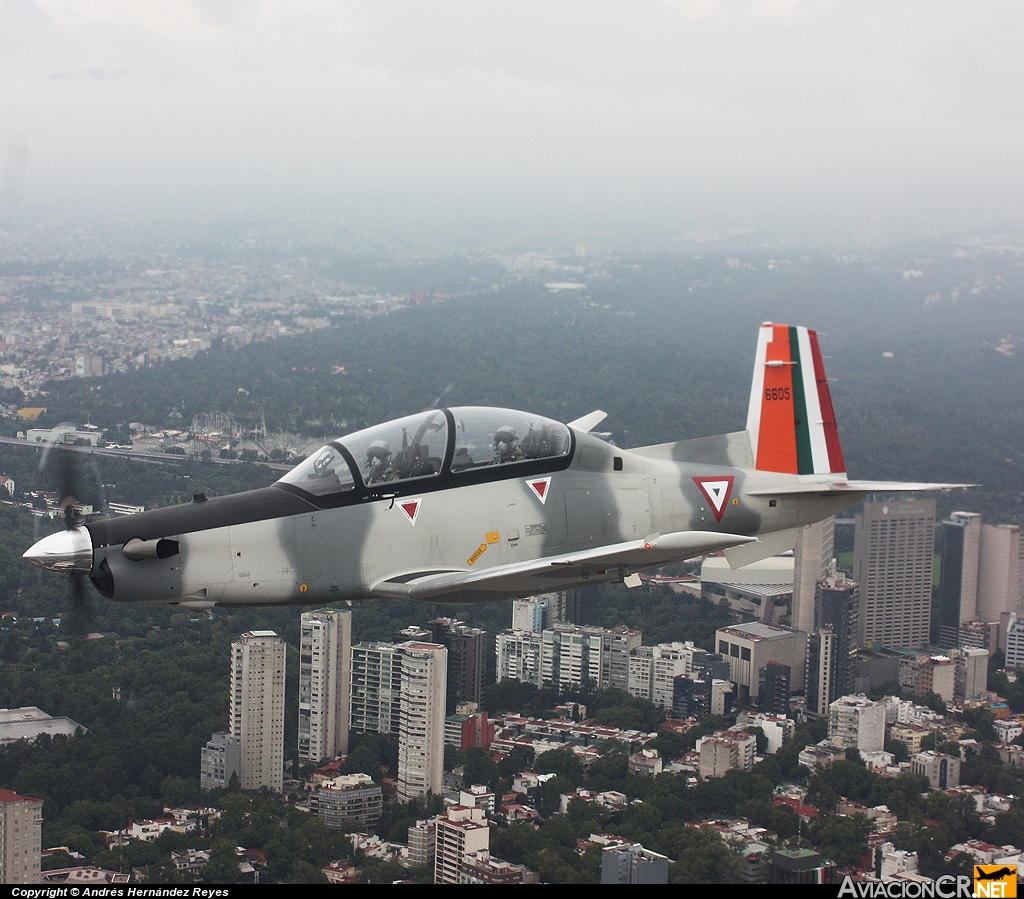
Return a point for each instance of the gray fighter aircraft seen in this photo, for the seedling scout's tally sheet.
(472, 504)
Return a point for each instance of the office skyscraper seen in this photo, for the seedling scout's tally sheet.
(325, 669)
(960, 541)
(894, 545)
(1001, 572)
(257, 708)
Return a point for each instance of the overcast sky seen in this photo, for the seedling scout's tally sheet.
(714, 113)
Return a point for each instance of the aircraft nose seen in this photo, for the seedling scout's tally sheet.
(64, 551)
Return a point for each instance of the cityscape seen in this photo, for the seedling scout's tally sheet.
(385, 497)
(817, 675)
(850, 708)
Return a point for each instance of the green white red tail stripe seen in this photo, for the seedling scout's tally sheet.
(790, 420)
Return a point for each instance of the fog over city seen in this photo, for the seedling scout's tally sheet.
(776, 118)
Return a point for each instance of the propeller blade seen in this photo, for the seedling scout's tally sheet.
(80, 620)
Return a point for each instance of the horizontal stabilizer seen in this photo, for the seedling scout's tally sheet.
(558, 572)
(589, 421)
(835, 488)
(767, 546)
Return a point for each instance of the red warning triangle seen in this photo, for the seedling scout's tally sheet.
(540, 488)
(411, 508)
(716, 491)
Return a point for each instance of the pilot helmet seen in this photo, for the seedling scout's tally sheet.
(506, 434)
(379, 449)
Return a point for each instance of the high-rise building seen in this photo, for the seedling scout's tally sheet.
(726, 750)
(220, 760)
(819, 679)
(257, 708)
(773, 688)
(980, 635)
(691, 697)
(894, 546)
(812, 558)
(21, 824)
(699, 695)
(653, 670)
(616, 645)
(349, 801)
(626, 864)
(376, 688)
(1015, 642)
(519, 655)
(836, 601)
(325, 669)
(570, 656)
(424, 675)
(461, 830)
(855, 722)
(467, 649)
(960, 542)
(1001, 572)
(532, 614)
(422, 838)
(971, 672)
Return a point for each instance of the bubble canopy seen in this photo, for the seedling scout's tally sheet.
(438, 442)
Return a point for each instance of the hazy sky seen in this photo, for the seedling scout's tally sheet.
(740, 113)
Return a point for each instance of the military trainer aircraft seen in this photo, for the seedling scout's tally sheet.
(472, 504)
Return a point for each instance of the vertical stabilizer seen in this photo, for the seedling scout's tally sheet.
(791, 422)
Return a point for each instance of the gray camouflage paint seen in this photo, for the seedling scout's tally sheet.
(272, 546)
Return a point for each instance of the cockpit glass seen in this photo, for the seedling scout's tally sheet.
(323, 473)
(485, 436)
(411, 447)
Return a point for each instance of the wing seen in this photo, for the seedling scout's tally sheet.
(555, 572)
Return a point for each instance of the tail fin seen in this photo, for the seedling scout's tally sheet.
(791, 423)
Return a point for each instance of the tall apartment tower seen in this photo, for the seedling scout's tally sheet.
(424, 670)
(812, 559)
(616, 645)
(325, 674)
(960, 541)
(257, 708)
(894, 545)
(519, 657)
(376, 688)
(21, 823)
(467, 656)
